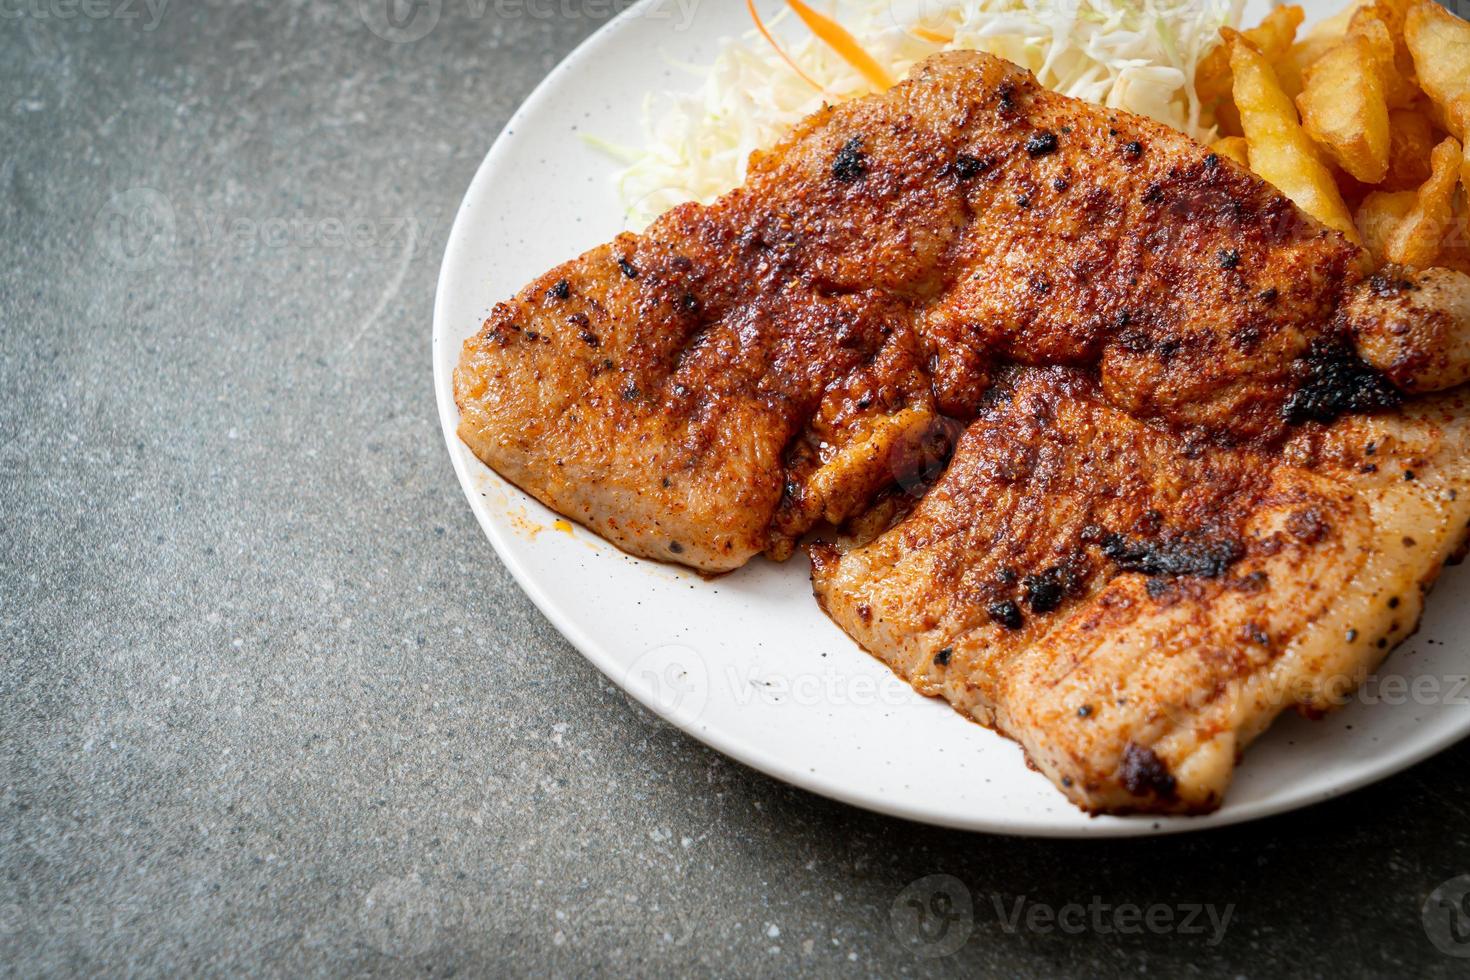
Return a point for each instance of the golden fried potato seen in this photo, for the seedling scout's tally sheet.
(1382, 26)
(1379, 216)
(1280, 150)
(1291, 66)
(1272, 37)
(1233, 148)
(1440, 44)
(1344, 109)
(1336, 25)
(1411, 138)
(1420, 236)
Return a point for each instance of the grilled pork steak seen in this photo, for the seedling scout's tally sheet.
(1161, 377)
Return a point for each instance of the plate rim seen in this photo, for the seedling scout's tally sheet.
(1098, 827)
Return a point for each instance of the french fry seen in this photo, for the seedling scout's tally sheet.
(1300, 56)
(1379, 216)
(1337, 24)
(1440, 45)
(1272, 37)
(1280, 150)
(1344, 109)
(1419, 237)
(1410, 141)
(1274, 34)
(1233, 148)
(1382, 27)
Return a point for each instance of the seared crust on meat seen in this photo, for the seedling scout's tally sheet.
(1133, 609)
(742, 371)
(1170, 513)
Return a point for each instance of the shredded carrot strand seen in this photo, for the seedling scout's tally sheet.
(760, 25)
(846, 46)
(934, 37)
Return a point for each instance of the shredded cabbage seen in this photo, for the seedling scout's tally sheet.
(1138, 55)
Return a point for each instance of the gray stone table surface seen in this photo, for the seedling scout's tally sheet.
(271, 704)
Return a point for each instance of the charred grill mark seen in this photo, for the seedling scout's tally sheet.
(1308, 526)
(1007, 613)
(1191, 554)
(1005, 97)
(1334, 381)
(1384, 283)
(1158, 588)
(562, 290)
(1143, 773)
(851, 163)
(1042, 144)
(968, 167)
(1046, 590)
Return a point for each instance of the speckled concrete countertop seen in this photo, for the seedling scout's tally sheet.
(271, 704)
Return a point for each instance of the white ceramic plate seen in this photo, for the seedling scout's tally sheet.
(747, 663)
